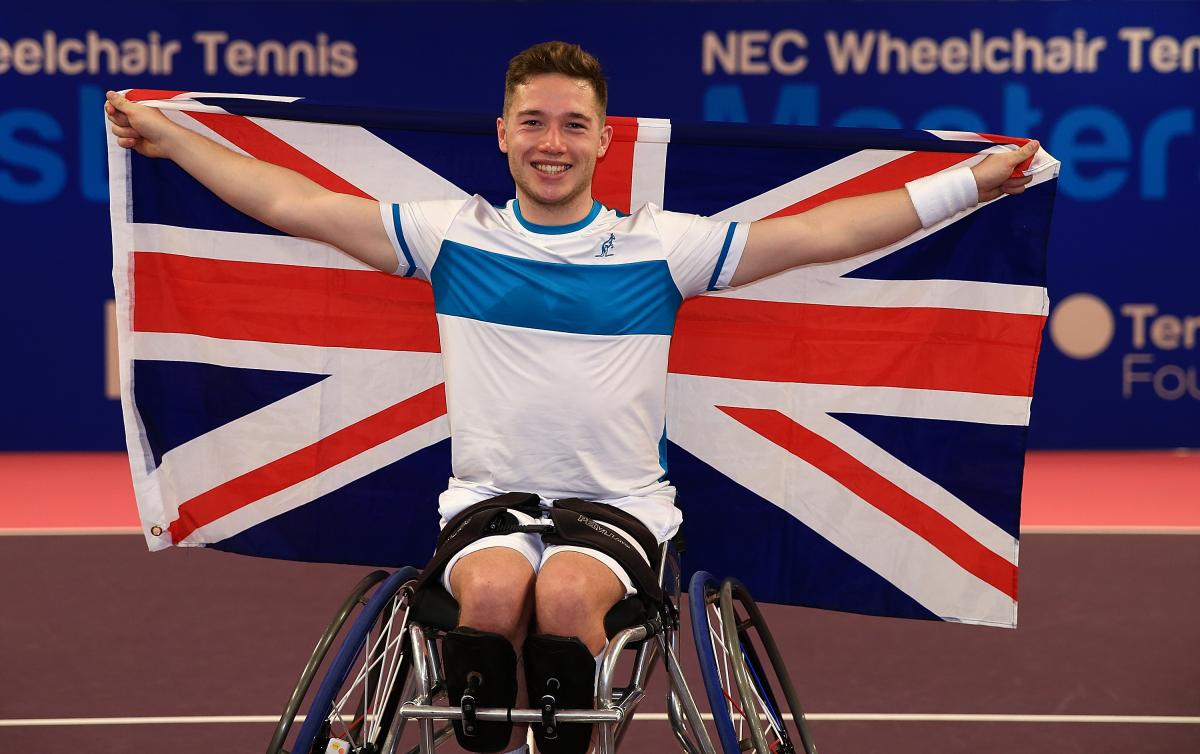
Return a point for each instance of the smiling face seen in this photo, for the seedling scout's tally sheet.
(553, 132)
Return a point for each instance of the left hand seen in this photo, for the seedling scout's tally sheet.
(994, 176)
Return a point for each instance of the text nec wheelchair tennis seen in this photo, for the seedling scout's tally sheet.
(389, 670)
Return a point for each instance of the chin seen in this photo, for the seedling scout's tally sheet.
(555, 199)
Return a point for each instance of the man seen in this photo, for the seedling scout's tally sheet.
(555, 316)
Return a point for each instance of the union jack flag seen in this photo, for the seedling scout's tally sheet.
(848, 436)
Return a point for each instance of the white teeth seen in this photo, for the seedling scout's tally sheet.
(551, 168)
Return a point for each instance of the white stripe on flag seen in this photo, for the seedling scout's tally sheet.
(361, 384)
(327, 481)
(364, 160)
(809, 185)
(650, 163)
(241, 247)
(910, 562)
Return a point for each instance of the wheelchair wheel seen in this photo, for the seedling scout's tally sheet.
(743, 628)
(360, 694)
(318, 656)
(719, 684)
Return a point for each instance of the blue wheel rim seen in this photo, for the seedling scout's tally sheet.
(340, 667)
(708, 660)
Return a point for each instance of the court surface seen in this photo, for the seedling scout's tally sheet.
(110, 649)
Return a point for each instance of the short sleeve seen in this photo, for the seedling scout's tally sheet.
(416, 230)
(702, 253)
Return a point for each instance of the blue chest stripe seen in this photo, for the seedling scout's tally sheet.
(619, 299)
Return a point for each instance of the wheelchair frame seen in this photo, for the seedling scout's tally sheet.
(409, 654)
(613, 705)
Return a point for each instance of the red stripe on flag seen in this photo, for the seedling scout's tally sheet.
(1019, 170)
(1001, 139)
(309, 461)
(260, 143)
(893, 175)
(612, 183)
(279, 303)
(883, 494)
(139, 95)
(917, 347)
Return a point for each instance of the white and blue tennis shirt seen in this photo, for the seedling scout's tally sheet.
(555, 340)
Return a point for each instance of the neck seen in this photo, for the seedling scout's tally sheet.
(555, 214)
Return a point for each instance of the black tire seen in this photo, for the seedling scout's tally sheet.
(758, 684)
(318, 656)
(358, 698)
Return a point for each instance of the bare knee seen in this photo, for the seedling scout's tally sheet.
(573, 593)
(493, 588)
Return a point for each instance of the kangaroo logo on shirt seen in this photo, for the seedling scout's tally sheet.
(606, 247)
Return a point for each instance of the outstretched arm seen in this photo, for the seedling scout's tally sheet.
(849, 227)
(273, 195)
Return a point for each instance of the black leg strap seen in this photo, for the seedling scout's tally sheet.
(481, 671)
(561, 674)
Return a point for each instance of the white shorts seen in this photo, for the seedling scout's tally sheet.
(537, 552)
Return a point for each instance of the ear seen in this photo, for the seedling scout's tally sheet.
(605, 139)
(501, 135)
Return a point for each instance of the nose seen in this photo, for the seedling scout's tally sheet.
(553, 140)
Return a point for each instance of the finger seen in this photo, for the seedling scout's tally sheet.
(125, 133)
(1022, 158)
(127, 143)
(1026, 151)
(118, 101)
(120, 119)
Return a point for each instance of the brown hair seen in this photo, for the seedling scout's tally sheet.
(556, 57)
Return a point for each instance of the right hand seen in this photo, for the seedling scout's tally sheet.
(138, 127)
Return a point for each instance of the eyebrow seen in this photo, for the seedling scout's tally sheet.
(573, 116)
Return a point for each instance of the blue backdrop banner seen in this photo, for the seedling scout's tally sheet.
(1110, 88)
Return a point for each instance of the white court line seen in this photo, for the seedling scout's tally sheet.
(648, 716)
(1073, 529)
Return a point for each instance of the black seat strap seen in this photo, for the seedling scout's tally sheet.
(587, 524)
(486, 518)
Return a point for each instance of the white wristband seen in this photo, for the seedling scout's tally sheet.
(941, 196)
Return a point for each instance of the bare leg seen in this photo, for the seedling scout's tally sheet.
(494, 588)
(573, 594)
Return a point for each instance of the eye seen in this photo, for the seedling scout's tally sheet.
(531, 122)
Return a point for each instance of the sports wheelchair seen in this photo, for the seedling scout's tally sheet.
(388, 672)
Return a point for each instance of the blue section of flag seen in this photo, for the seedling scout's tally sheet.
(744, 173)
(980, 464)
(1003, 242)
(387, 518)
(165, 195)
(592, 299)
(778, 558)
(180, 400)
(735, 137)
